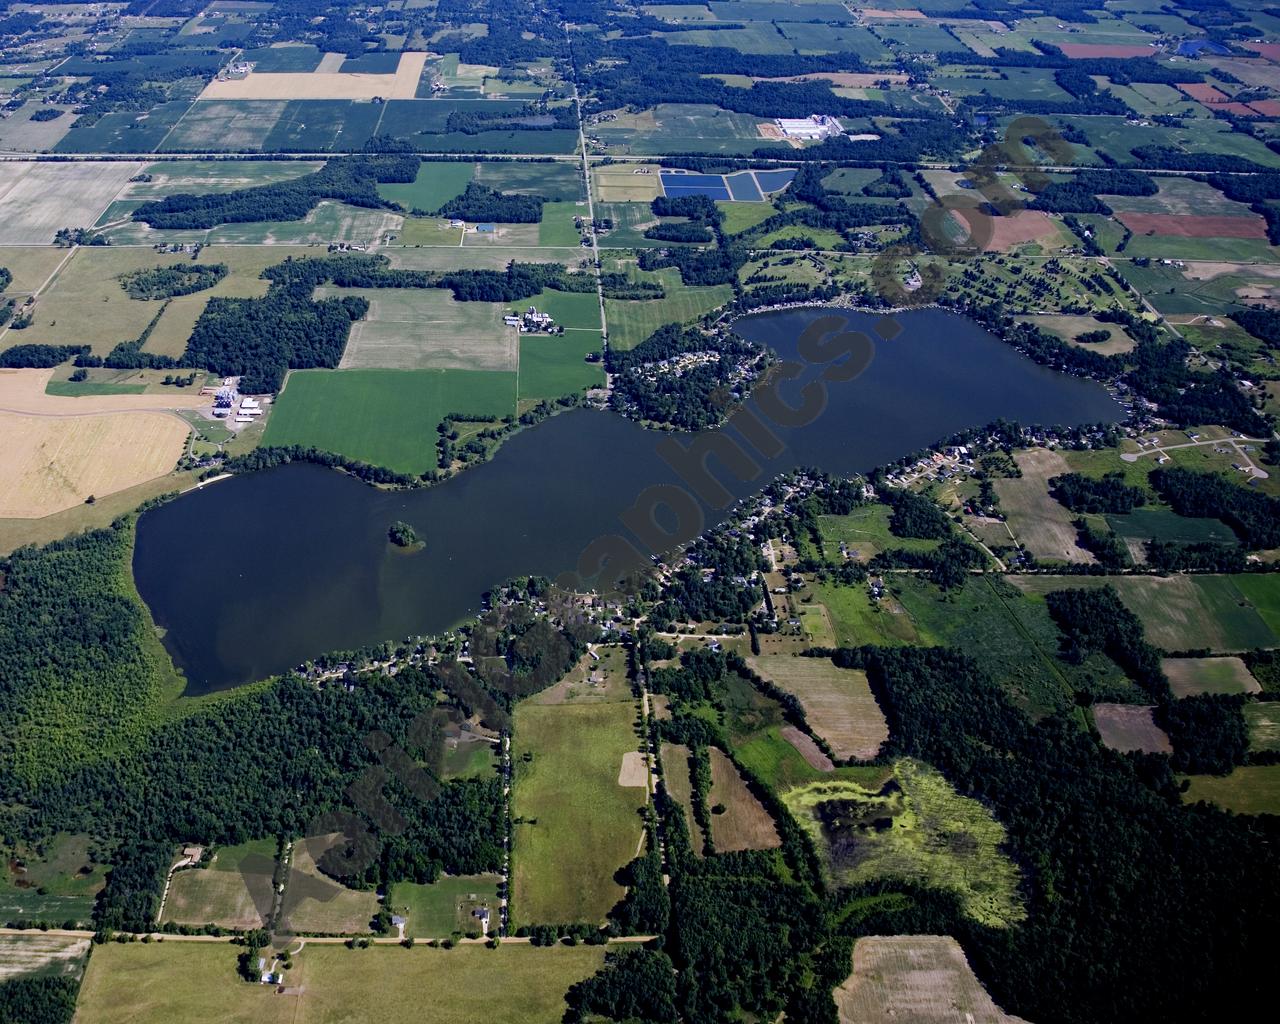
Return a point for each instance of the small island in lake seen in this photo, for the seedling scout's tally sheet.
(402, 535)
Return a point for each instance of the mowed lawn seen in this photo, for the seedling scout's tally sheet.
(437, 910)
(195, 982)
(587, 825)
(383, 417)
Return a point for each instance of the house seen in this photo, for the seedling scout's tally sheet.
(481, 914)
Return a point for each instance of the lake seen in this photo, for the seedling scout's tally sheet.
(255, 574)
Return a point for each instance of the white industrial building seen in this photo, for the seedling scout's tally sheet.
(815, 126)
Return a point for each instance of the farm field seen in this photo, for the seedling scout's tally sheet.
(1040, 523)
(1221, 612)
(384, 417)
(838, 703)
(738, 819)
(195, 982)
(1263, 720)
(1189, 676)
(234, 891)
(40, 198)
(555, 365)
(445, 906)
(631, 321)
(567, 760)
(434, 186)
(314, 903)
(1249, 789)
(24, 956)
(53, 463)
(924, 979)
(1130, 727)
(426, 329)
(322, 85)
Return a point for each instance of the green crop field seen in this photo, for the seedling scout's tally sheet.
(1250, 789)
(195, 982)
(434, 186)
(1208, 675)
(567, 761)
(1164, 525)
(444, 907)
(555, 365)
(384, 417)
(556, 228)
(556, 182)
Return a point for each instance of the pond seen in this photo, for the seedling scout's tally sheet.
(255, 574)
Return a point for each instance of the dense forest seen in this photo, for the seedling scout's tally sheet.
(352, 180)
(171, 281)
(1093, 495)
(478, 203)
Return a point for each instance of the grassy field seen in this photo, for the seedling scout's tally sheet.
(22, 956)
(864, 533)
(1251, 789)
(738, 819)
(426, 329)
(1263, 720)
(233, 892)
(556, 227)
(384, 417)
(1189, 676)
(57, 887)
(1219, 613)
(920, 978)
(936, 837)
(555, 365)
(315, 903)
(434, 186)
(838, 703)
(1039, 522)
(626, 182)
(567, 760)
(1130, 727)
(444, 907)
(195, 982)
(631, 321)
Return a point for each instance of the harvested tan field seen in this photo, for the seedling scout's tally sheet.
(1023, 226)
(914, 979)
(322, 85)
(838, 702)
(634, 772)
(23, 391)
(51, 463)
(809, 750)
(1039, 522)
(1129, 727)
(41, 954)
(745, 824)
(1179, 225)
